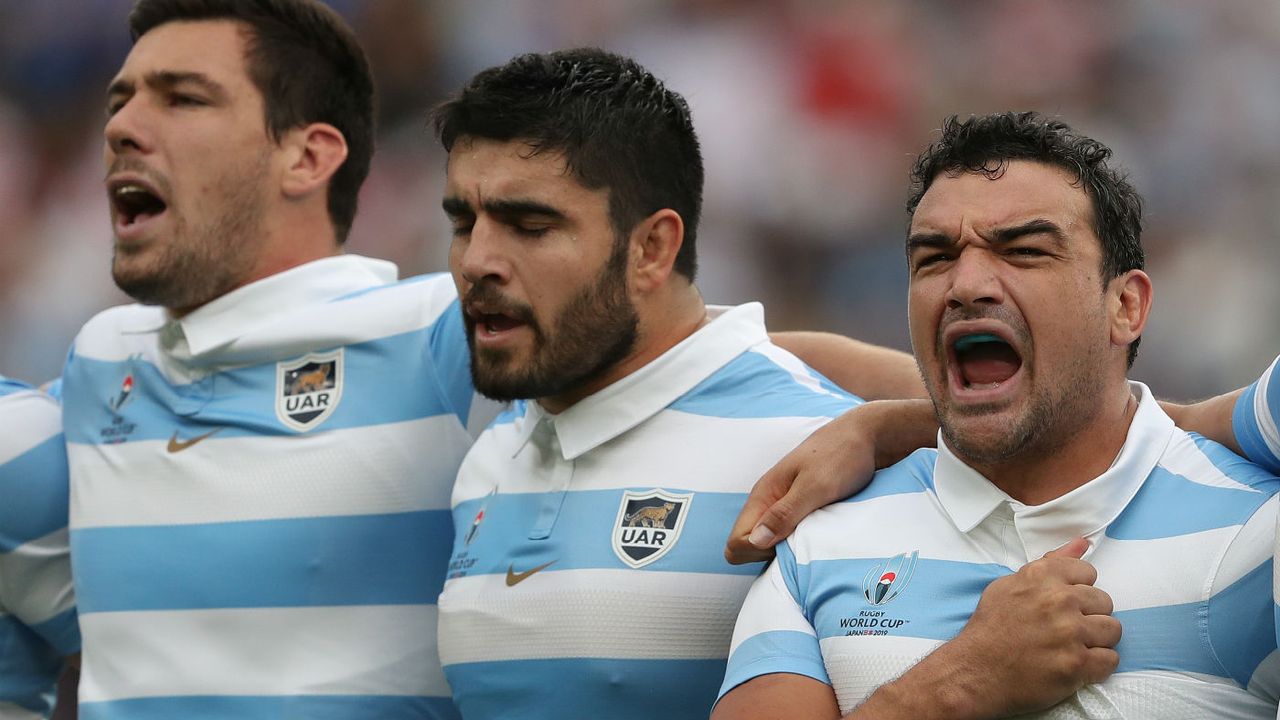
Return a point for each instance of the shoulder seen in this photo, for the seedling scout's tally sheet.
(766, 382)
(419, 300)
(114, 333)
(25, 411)
(1197, 486)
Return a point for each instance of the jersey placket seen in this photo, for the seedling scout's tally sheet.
(559, 476)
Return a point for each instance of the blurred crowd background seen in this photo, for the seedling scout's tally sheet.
(810, 112)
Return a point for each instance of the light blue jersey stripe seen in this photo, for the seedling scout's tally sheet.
(33, 487)
(272, 707)
(774, 393)
(356, 560)
(1246, 422)
(1242, 629)
(1169, 505)
(504, 535)
(940, 597)
(61, 631)
(587, 688)
(385, 381)
(28, 666)
(780, 651)
(912, 475)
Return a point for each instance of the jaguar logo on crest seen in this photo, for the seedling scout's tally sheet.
(648, 525)
(308, 389)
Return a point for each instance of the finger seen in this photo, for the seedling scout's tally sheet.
(1049, 571)
(1101, 631)
(767, 490)
(1100, 663)
(1093, 601)
(1076, 548)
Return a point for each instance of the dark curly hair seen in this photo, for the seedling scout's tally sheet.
(305, 60)
(617, 125)
(986, 144)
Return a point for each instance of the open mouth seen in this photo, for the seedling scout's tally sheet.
(984, 360)
(134, 202)
(496, 323)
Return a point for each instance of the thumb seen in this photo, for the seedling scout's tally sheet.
(1076, 548)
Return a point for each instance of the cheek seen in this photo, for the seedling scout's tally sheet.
(923, 312)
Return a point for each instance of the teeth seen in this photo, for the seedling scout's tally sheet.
(130, 188)
(982, 386)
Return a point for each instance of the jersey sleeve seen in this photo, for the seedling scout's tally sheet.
(35, 563)
(772, 634)
(1256, 420)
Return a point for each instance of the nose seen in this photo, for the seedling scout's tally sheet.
(975, 279)
(480, 253)
(125, 129)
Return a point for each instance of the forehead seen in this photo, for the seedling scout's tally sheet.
(507, 168)
(213, 48)
(1027, 190)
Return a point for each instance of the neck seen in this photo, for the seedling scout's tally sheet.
(1050, 469)
(280, 250)
(662, 326)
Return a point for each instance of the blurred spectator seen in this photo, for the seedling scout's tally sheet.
(809, 113)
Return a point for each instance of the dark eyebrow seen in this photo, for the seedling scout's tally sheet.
(1039, 226)
(456, 207)
(513, 209)
(167, 80)
(928, 240)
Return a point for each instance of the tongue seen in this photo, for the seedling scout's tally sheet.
(988, 363)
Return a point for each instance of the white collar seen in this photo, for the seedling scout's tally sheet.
(225, 319)
(969, 498)
(603, 416)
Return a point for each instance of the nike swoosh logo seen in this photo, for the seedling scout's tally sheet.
(513, 578)
(176, 445)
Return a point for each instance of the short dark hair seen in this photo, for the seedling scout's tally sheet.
(617, 125)
(986, 144)
(305, 60)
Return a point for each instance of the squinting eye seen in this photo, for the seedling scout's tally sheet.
(932, 259)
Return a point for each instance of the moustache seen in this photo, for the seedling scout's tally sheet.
(484, 298)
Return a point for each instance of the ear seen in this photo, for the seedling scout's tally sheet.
(654, 245)
(312, 154)
(1128, 305)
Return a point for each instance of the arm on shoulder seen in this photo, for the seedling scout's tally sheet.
(835, 462)
(869, 371)
(1211, 418)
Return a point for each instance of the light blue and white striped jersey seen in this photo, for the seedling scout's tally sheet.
(37, 607)
(1181, 532)
(1256, 420)
(588, 577)
(1256, 423)
(259, 506)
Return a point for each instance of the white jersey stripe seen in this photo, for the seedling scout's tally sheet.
(295, 651)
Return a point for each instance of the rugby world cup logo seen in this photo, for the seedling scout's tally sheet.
(886, 580)
(126, 390)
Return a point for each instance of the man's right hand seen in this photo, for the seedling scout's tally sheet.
(1036, 637)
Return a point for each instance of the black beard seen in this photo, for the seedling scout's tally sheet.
(595, 331)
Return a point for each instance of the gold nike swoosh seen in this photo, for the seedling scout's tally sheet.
(176, 445)
(518, 577)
